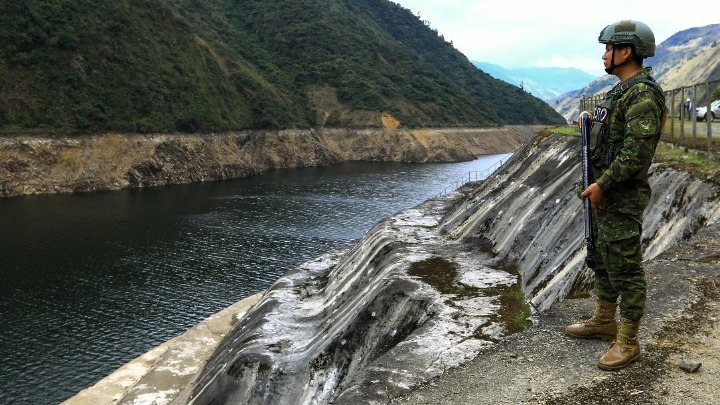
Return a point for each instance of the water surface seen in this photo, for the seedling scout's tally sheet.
(91, 281)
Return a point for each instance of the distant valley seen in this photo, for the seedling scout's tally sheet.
(689, 57)
(542, 82)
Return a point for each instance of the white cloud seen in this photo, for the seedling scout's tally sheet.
(559, 33)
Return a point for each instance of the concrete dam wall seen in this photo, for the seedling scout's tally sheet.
(428, 288)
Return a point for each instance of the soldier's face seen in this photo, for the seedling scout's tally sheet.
(608, 55)
(615, 56)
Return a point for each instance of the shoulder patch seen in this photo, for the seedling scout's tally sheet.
(648, 126)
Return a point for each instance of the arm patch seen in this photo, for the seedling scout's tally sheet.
(647, 126)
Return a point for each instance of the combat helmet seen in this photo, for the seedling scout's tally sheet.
(630, 32)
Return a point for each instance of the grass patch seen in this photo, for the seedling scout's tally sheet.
(516, 310)
(695, 163)
(571, 130)
(442, 275)
(671, 154)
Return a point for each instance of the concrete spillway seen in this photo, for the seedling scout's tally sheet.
(430, 287)
(360, 323)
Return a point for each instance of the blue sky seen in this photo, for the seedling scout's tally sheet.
(559, 33)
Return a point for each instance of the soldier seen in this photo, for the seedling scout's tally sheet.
(625, 132)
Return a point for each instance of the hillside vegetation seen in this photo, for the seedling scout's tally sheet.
(180, 65)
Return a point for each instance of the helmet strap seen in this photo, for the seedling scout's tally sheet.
(612, 67)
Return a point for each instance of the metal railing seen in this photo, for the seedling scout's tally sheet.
(473, 175)
(682, 103)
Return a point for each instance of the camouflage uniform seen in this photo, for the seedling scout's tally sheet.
(625, 133)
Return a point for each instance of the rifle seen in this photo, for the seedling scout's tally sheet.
(586, 181)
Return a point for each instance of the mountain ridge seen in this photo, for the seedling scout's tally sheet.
(543, 82)
(686, 58)
(187, 66)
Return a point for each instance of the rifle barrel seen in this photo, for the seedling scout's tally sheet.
(587, 180)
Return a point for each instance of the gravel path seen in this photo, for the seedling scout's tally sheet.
(543, 366)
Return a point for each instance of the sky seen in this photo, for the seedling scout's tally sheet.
(548, 33)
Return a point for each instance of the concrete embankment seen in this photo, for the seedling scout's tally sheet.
(431, 288)
(35, 165)
(169, 368)
(543, 366)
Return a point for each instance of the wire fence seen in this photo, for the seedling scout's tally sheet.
(473, 175)
(692, 122)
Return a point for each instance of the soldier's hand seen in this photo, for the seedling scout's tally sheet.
(579, 118)
(595, 193)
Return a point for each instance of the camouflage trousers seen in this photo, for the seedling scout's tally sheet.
(619, 272)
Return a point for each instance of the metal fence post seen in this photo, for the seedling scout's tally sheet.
(709, 119)
(693, 116)
(683, 114)
(698, 94)
(672, 120)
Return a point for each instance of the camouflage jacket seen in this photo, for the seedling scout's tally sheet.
(625, 133)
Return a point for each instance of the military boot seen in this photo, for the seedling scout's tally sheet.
(625, 349)
(600, 326)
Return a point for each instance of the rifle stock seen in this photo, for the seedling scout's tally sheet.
(587, 179)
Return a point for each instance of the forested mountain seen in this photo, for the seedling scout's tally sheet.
(70, 66)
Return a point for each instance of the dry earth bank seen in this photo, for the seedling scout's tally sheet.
(36, 165)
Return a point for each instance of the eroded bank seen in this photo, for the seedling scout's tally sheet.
(39, 165)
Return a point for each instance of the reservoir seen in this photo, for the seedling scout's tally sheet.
(91, 281)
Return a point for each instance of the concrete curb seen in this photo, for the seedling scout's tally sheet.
(165, 372)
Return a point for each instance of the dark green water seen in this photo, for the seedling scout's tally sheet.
(89, 282)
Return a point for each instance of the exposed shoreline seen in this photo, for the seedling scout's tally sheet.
(31, 164)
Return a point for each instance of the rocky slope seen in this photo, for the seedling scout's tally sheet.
(364, 328)
(34, 165)
(544, 366)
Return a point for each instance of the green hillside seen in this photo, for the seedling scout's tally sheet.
(74, 66)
